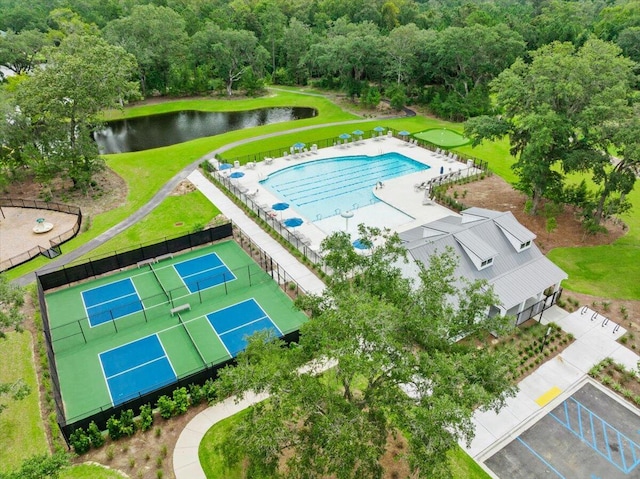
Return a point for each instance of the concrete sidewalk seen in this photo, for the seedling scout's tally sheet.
(309, 282)
(595, 339)
(186, 464)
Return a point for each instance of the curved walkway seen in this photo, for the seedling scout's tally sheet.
(160, 196)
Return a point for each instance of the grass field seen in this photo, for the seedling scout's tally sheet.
(145, 172)
(89, 471)
(213, 461)
(175, 216)
(21, 427)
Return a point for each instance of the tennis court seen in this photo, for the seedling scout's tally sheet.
(235, 323)
(137, 367)
(123, 335)
(110, 301)
(589, 435)
(204, 272)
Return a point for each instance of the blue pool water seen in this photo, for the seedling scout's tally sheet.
(324, 188)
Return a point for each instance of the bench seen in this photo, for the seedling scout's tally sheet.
(164, 256)
(145, 262)
(179, 309)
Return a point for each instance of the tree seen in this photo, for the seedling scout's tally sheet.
(156, 37)
(295, 44)
(11, 302)
(566, 108)
(63, 102)
(465, 60)
(402, 44)
(229, 53)
(394, 365)
(273, 23)
(19, 51)
(40, 467)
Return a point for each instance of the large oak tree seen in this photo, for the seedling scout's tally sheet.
(394, 368)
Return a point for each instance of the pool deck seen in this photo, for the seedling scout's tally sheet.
(400, 193)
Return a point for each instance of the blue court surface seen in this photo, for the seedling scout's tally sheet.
(136, 368)
(590, 435)
(203, 272)
(234, 323)
(111, 301)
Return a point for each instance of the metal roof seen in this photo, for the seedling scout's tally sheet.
(511, 226)
(470, 241)
(517, 275)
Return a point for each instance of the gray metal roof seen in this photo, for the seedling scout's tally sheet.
(472, 242)
(511, 225)
(517, 275)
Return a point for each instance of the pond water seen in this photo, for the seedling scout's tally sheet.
(154, 131)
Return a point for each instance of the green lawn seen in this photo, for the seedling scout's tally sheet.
(212, 461)
(176, 215)
(591, 270)
(146, 171)
(21, 427)
(90, 471)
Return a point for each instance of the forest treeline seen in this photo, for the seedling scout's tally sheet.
(558, 78)
(437, 53)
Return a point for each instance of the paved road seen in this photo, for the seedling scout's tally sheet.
(160, 196)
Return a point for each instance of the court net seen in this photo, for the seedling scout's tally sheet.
(204, 362)
(164, 290)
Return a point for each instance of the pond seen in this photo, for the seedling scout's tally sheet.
(154, 131)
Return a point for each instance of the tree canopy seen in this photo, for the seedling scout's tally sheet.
(393, 367)
(566, 110)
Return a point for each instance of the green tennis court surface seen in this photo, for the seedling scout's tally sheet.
(443, 137)
(134, 331)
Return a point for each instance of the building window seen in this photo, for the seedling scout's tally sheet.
(525, 245)
(486, 262)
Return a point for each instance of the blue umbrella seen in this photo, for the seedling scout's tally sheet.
(359, 244)
(378, 129)
(298, 146)
(357, 132)
(404, 133)
(293, 222)
(280, 207)
(344, 136)
(225, 166)
(236, 174)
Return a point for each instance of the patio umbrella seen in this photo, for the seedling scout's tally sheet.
(404, 133)
(357, 132)
(293, 222)
(298, 146)
(236, 174)
(280, 207)
(359, 244)
(378, 129)
(225, 166)
(345, 136)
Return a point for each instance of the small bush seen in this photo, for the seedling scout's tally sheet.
(80, 441)
(95, 435)
(111, 451)
(167, 407)
(146, 417)
(181, 400)
(113, 427)
(196, 393)
(127, 425)
(158, 431)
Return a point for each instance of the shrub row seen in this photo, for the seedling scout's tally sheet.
(127, 424)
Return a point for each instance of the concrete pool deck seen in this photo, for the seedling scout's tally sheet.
(398, 193)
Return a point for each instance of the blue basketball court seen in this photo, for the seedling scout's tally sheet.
(111, 301)
(236, 322)
(136, 368)
(204, 272)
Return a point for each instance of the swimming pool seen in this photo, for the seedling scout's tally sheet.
(325, 188)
